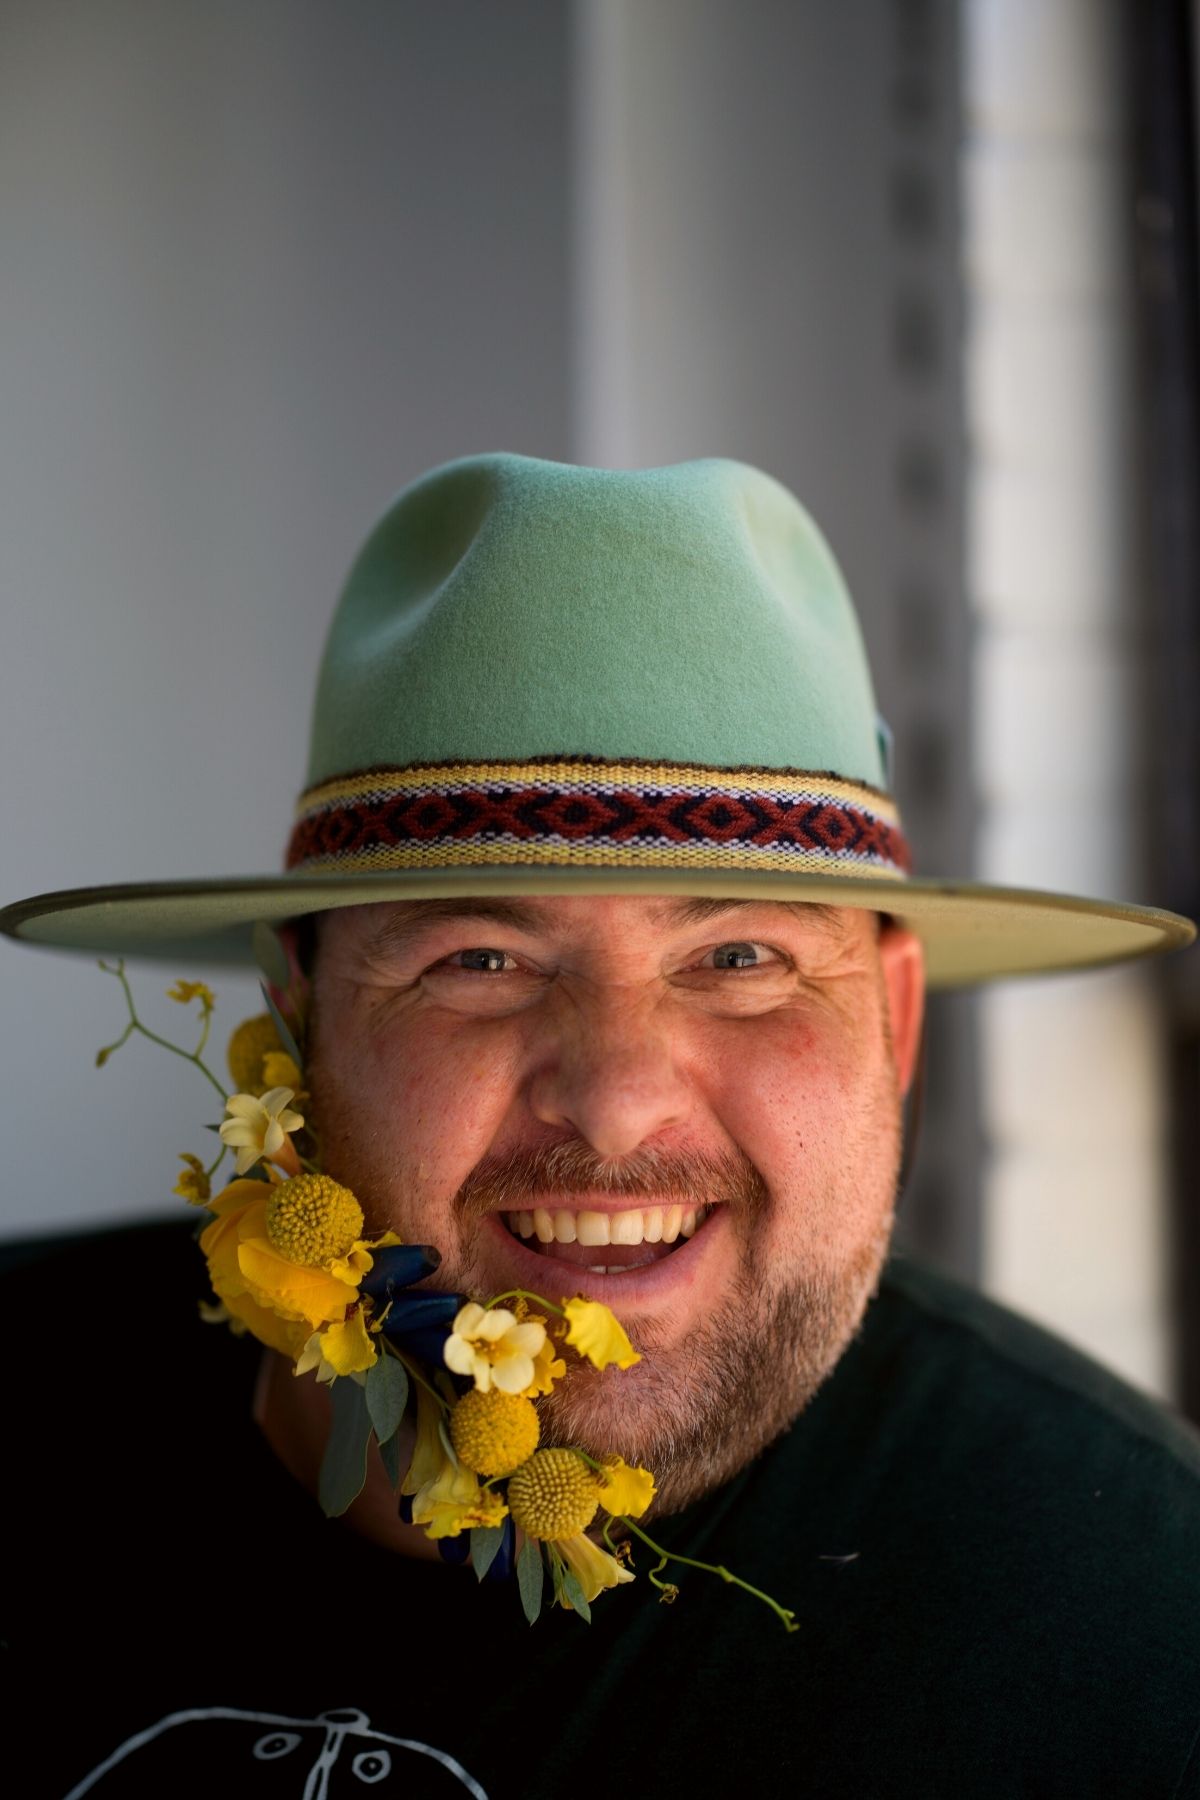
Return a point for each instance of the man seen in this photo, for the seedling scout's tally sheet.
(616, 987)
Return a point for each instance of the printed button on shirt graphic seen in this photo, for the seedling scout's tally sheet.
(264, 1754)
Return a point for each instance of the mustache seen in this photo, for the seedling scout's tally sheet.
(521, 1179)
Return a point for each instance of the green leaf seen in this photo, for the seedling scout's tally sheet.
(387, 1395)
(485, 1542)
(530, 1574)
(390, 1456)
(270, 955)
(574, 1593)
(344, 1466)
(285, 1036)
(447, 1446)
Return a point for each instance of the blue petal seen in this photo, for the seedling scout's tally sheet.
(398, 1266)
(455, 1549)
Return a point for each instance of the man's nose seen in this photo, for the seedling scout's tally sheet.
(609, 1073)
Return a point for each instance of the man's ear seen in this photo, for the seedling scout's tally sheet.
(903, 963)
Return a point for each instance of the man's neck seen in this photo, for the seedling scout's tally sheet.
(294, 1415)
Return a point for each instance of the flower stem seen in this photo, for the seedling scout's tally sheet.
(524, 1294)
(135, 1024)
(787, 1618)
(416, 1375)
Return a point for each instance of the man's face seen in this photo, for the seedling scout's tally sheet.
(688, 1109)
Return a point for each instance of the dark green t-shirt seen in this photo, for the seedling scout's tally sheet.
(992, 1547)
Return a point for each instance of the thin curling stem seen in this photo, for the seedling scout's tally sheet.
(788, 1619)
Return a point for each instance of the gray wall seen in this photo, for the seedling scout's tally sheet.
(263, 262)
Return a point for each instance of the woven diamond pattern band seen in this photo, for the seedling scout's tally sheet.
(570, 813)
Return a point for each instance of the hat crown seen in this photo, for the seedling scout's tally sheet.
(506, 608)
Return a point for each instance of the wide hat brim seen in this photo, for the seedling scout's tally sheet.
(971, 932)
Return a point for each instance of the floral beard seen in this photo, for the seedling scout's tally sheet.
(696, 1411)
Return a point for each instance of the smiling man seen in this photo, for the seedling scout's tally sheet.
(613, 972)
(699, 1128)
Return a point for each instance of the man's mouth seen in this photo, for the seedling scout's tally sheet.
(606, 1243)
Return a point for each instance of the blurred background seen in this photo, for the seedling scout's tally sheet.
(931, 262)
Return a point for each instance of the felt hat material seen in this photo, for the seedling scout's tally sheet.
(550, 679)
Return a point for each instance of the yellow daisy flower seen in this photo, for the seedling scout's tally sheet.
(593, 1568)
(494, 1348)
(596, 1334)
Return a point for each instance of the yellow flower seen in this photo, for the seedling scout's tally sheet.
(624, 1490)
(251, 1044)
(258, 1127)
(241, 1211)
(596, 1334)
(312, 1220)
(593, 1568)
(547, 1367)
(429, 1453)
(553, 1495)
(184, 992)
(447, 1497)
(345, 1349)
(493, 1348)
(493, 1433)
(455, 1502)
(193, 1185)
(279, 1070)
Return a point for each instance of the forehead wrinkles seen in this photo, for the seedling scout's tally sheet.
(517, 1181)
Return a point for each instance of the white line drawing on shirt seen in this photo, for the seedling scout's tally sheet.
(371, 1765)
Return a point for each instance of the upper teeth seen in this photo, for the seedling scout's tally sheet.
(651, 1225)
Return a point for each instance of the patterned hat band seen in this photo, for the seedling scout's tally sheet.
(574, 813)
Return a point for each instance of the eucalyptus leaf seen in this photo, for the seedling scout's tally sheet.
(447, 1446)
(390, 1457)
(485, 1542)
(285, 1036)
(387, 1395)
(530, 1575)
(344, 1466)
(270, 955)
(574, 1593)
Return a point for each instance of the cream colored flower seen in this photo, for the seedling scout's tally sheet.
(258, 1128)
(493, 1348)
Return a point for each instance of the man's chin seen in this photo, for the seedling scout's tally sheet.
(697, 1413)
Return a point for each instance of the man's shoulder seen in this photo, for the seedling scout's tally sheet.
(1016, 1372)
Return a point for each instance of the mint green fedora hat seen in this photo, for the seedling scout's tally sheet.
(545, 679)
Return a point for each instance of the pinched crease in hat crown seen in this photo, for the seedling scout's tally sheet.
(539, 664)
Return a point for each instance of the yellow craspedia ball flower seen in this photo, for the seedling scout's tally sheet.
(253, 1041)
(553, 1495)
(494, 1432)
(312, 1219)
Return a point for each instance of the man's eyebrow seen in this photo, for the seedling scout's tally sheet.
(700, 910)
(398, 929)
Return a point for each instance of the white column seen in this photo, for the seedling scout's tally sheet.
(1074, 1194)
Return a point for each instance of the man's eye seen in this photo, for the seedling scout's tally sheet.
(741, 956)
(482, 962)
